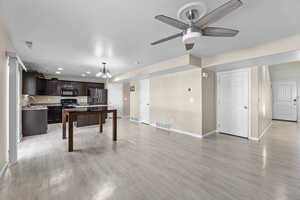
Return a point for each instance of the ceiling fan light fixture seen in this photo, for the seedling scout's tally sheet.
(191, 37)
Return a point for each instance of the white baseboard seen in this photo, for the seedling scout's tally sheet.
(179, 131)
(3, 169)
(253, 138)
(262, 135)
(209, 133)
(265, 131)
(132, 120)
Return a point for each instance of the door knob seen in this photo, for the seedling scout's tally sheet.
(245, 107)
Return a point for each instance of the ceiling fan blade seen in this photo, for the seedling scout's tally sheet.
(219, 32)
(189, 47)
(167, 38)
(219, 13)
(172, 22)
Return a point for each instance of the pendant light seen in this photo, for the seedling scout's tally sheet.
(104, 73)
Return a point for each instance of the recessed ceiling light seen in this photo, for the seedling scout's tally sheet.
(60, 69)
(58, 72)
(83, 75)
(88, 72)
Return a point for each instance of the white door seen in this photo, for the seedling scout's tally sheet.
(144, 101)
(115, 96)
(285, 100)
(233, 102)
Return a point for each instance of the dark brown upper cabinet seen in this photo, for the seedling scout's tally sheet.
(41, 86)
(51, 87)
(29, 83)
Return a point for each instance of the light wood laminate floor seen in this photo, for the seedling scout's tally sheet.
(149, 164)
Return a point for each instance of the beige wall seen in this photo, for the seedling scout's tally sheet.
(286, 72)
(177, 63)
(261, 100)
(209, 102)
(5, 45)
(254, 103)
(172, 104)
(284, 45)
(265, 98)
(126, 99)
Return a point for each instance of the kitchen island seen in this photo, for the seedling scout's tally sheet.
(70, 114)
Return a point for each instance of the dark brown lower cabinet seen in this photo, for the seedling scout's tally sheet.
(34, 122)
(88, 120)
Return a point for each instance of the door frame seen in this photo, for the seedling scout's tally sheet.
(248, 70)
(14, 65)
(13, 111)
(297, 97)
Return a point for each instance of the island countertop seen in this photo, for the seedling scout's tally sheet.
(89, 109)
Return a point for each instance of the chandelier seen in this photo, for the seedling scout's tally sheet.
(104, 73)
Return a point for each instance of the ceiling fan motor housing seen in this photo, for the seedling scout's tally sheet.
(191, 35)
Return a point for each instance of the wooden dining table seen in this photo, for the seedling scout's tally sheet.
(69, 115)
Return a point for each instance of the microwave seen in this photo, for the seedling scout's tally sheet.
(68, 92)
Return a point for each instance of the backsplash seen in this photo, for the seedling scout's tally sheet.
(48, 99)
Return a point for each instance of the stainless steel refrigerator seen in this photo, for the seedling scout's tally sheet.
(97, 96)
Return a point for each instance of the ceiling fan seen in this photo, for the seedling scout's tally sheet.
(197, 25)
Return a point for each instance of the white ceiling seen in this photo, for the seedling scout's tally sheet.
(78, 35)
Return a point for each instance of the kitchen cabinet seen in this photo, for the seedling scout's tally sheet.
(41, 86)
(94, 85)
(29, 83)
(54, 114)
(89, 119)
(53, 88)
(34, 122)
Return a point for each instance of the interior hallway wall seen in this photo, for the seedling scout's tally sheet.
(209, 97)
(261, 100)
(176, 101)
(5, 45)
(126, 99)
(265, 98)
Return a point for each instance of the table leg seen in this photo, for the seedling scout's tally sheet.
(100, 122)
(114, 126)
(70, 138)
(64, 121)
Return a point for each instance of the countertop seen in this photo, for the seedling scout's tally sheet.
(89, 106)
(36, 107)
(46, 104)
(94, 108)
